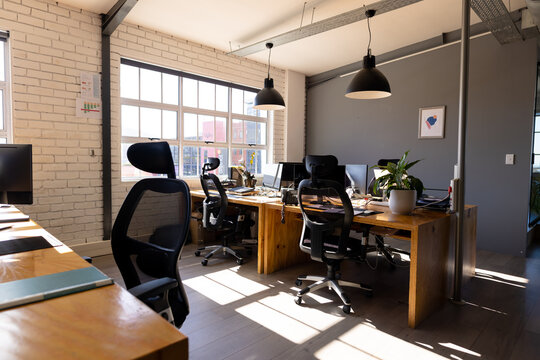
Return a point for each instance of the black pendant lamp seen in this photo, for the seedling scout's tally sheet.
(368, 83)
(269, 98)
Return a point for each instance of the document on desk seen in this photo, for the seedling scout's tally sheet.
(25, 291)
(339, 210)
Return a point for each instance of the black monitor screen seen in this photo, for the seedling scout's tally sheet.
(16, 174)
(293, 173)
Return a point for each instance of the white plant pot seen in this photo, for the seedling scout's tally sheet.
(402, 201)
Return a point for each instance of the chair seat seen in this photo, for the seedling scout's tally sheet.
(330, 248)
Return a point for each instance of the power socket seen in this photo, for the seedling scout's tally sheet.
(454, 184)
(510, 159)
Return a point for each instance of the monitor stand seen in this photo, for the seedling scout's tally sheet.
(3, 198)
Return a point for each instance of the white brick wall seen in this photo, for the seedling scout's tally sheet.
(50, 45)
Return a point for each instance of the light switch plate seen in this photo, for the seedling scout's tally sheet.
(510, 159)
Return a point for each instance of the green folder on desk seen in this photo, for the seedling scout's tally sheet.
(25, 291)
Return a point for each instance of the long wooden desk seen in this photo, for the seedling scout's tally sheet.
(257, 202)
(103, 323)
(431, 234)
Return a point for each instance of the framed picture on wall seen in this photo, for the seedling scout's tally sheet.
(431, 122)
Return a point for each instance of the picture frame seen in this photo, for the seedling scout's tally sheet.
(431, 122)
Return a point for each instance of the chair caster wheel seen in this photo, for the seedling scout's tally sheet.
(204, 262)
(347, 309)
(298, 300)
(197, 253)
(298, 282)
(239, 261)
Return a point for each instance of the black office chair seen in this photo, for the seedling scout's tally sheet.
(379, 233)
(325, 234)
(214, 210)
(150, 231)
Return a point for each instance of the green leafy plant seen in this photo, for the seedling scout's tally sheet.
(397, 177)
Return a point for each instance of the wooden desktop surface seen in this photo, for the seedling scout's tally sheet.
(103, 323)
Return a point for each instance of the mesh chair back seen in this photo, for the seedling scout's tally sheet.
(326, 210)
(216, 201)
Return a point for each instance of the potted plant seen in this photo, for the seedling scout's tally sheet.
(401, 187)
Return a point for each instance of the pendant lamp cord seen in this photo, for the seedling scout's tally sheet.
(369, 29)
(269, 53)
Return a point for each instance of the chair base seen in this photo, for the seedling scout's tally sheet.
(333, 282)
(216, 248)
(387, 250)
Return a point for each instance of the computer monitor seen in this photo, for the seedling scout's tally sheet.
(292, 173)
(357, 177)
(16, 174)
(271, 176)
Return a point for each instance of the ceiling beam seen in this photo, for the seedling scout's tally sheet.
(116, 15)
(324, 25)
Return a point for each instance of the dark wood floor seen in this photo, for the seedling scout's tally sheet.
(239, 314)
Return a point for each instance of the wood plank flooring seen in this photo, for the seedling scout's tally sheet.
(239, 314)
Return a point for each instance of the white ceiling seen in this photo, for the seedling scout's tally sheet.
(237, 23)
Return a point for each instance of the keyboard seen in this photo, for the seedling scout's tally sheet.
(241, 189)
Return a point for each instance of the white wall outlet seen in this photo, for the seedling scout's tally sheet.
(510, 159)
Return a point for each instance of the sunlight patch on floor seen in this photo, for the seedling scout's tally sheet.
(317, 319)
(501, 276)
(461, 349)
(213, 290)
(318, 298)
(281, 324)
(337, 349)
(238, 283)
(369, 340)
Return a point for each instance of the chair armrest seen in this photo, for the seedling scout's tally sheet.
(153, 288)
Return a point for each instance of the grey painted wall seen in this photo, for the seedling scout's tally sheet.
(500, 121)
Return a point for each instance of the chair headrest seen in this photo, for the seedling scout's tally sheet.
(319, 166)
(153, 157)
(384, 162)
(211, 164)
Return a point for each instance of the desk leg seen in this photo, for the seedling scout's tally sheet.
(281, 248)
(260, 234)
(428, 272)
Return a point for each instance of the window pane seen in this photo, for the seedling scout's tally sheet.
(174, 152)
(537, 143)
(536, 159)
(222, 98)
(249, 98)
(261, 134)
(220, 153)
(221, 129)
(190, 160)
(3, 140)
(129, 82)
(236, 157)
(1, 109)
(150, 85)
(190, 126)
(206, 128)
(130, 120)
(237, 101)
(169, 124)
(207, 95)
(237, 131)
(537, 123)
(189, 92)
(128, 170)
(2, 63)
(170, 89)
(250, 134)
(263, 113)
(150, 123)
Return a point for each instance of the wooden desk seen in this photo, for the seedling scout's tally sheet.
(253, 201)
(103, 323)
(431, 234)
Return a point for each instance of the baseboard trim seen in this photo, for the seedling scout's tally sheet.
(98, 248)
